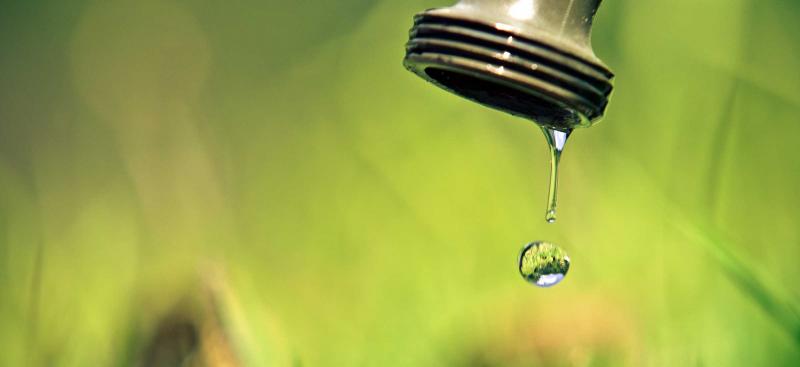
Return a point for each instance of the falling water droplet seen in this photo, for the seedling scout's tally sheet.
(543, 264)
(556, 139)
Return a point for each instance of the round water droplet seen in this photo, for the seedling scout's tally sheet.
(543, 264)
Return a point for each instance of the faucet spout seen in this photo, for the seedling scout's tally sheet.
(530, 58)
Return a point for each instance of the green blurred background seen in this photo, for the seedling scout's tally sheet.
(272, 165)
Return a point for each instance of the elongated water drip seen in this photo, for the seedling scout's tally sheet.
(530, 58)
(556, 140)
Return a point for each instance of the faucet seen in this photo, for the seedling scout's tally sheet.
(530, 58)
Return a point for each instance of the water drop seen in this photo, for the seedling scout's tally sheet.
(556, 139)
(543, 264)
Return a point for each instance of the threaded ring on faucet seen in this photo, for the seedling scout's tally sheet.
(509, 72)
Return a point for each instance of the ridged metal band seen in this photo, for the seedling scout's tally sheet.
(530, 72)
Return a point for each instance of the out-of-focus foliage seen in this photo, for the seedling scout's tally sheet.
(260, 183)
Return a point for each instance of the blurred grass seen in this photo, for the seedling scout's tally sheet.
(365, 218)
(745, 276)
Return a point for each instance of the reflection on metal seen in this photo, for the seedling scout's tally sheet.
(522, 10)
(531, 58)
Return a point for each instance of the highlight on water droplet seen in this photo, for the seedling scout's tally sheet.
(543, 264)
(550, 217)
